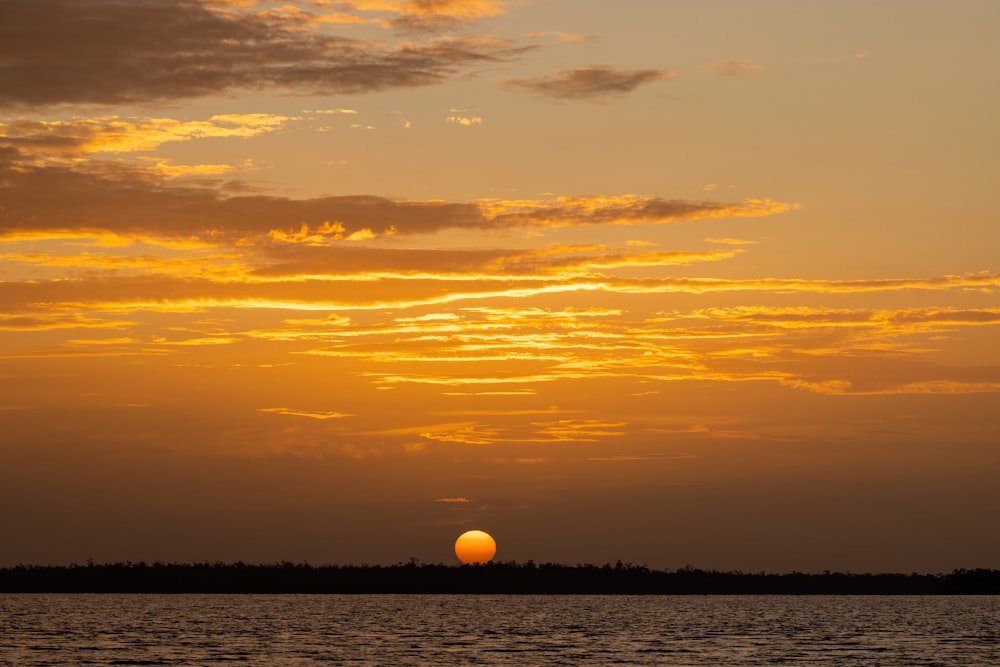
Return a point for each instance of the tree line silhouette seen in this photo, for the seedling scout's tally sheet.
(493, 578)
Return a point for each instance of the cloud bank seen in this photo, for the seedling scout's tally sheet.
(114, 52)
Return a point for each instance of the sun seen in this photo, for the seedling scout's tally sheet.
(475, 547)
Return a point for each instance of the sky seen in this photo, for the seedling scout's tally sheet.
(672, 283)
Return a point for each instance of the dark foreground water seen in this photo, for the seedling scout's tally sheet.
(284, 630)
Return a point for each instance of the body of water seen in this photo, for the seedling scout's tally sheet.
(287, 630)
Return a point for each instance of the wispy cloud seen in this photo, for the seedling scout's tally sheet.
(589, 83)
(572, 38)
(43, 321)
(729, 241)
(624, 209)
(639, 457)
(561, 431)
(306, 413)
(733, 69)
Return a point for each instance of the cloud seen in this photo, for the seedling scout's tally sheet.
(466, 434)
(125, 199)
(41, 141)
(840, 58)
(623, 209)
(571, 38)
(729, 241)
(189, 291)
(49, 321)
(113, 52)
(467, 121)
(638, 457)
(330, 112)
(733, 69)
(561, 431)
(495, 264)
(982, 281)
(477, 348)
(197, 342)
(589, 82)
(306, 413)
(452, 500)
(433, 14)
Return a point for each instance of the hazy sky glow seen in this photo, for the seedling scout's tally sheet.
(708, 283)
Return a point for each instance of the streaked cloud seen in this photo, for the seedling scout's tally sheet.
(306, 413)
(589, 83)
(165, 293)
(561, 431)
(623, 209)
(330, 112)
(43, 321)
(39, 139)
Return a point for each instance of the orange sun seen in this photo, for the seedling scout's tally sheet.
(476, 547)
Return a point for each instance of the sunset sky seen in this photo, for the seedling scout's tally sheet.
(712, 283)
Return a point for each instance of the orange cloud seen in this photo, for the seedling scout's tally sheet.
(49, 321)
(41, 139)
(422, 14)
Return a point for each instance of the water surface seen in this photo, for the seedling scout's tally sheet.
(288, 630)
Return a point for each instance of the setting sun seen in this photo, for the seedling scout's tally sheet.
(475, 547)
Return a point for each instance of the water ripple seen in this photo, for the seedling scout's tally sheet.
(300, 630)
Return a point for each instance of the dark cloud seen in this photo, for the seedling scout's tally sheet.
(590, 82)
(115, 197)
(56, 198)
(139, 51)
(8, 156)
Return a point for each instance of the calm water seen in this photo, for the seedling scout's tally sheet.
(283, 630)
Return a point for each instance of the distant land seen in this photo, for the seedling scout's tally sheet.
(493, 578)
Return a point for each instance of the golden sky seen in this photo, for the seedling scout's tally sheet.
(709, 283)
